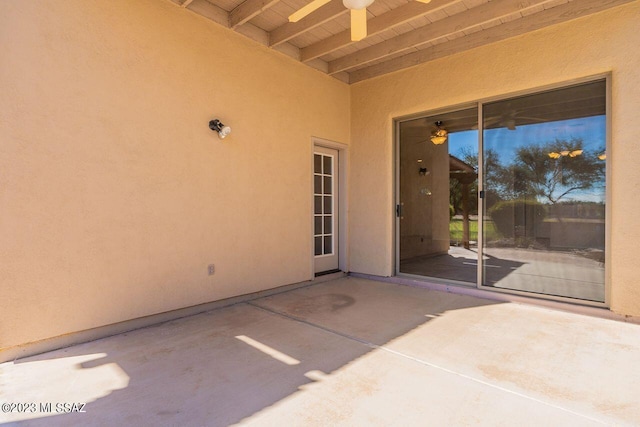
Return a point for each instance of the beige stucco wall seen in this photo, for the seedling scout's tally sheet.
(605, 42)
(114, 193)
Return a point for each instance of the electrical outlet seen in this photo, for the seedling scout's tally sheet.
(211, 269)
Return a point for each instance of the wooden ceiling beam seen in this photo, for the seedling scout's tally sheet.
(558, 14)
(290, 30)
(210, 11)
(247, 10)
(221, 17)
(186, 3)
(445, 27)
(388, 20)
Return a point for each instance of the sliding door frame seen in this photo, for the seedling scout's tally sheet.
(479, 105)
(396, 197)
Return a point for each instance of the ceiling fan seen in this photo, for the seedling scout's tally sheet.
(358, 14)
(509, 117)
(438, 135)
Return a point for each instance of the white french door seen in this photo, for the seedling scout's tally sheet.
(325, 209)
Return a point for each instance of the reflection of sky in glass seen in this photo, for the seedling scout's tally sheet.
(461, 143)
(505, 143)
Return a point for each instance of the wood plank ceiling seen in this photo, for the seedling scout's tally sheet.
(401, 33)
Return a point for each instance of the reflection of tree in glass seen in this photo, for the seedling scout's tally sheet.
(493, 170)
(470, 157)
(550, 171)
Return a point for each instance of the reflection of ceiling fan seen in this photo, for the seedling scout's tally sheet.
(439, 134)
(508, 119)
(358, 14)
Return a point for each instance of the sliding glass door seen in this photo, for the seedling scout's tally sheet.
(544, 158)
(508, 195)
(438, 203)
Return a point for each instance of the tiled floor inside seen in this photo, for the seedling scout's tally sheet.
(344, 352)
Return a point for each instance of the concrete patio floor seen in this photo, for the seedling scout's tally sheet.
(344, 352)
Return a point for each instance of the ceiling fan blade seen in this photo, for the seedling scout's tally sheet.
(540, 119)
(424, 1)
(488, 121)
(358, 24)
(315, 4)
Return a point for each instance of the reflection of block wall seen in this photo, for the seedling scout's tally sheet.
(576, 233)
(518, 221)
(424, 228)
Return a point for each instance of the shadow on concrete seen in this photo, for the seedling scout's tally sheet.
(223, 366)
(462, 269)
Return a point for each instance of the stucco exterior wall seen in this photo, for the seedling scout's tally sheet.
(115, 195)
(601, 43)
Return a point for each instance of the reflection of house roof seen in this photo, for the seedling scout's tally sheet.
(463, 172)
(455, 164)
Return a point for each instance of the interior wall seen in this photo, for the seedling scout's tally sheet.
(424, 227)
(114, 194)
(600, 43)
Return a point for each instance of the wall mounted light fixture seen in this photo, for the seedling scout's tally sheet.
(217, 126)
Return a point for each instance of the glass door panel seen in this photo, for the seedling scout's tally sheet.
(438, 205)
(325, 209)
(544, 162)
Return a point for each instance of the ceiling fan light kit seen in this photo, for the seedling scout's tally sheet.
(439, 136)
(356, 4)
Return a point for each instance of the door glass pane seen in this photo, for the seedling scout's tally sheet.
(318, 245)
(317, 225)
(328, 249)
(317, 163)
(327, 163)
(317, 208)
(438, 197)
(327, 204)
(544, 182)
(327, 225)
(327, 185)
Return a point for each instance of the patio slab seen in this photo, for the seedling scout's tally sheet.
(345, 352)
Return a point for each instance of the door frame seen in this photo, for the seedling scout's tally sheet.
(342, 242)
(607, 76)
(396, 189)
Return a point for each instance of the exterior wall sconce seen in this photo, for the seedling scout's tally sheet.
(217, 126)
(439, 136)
